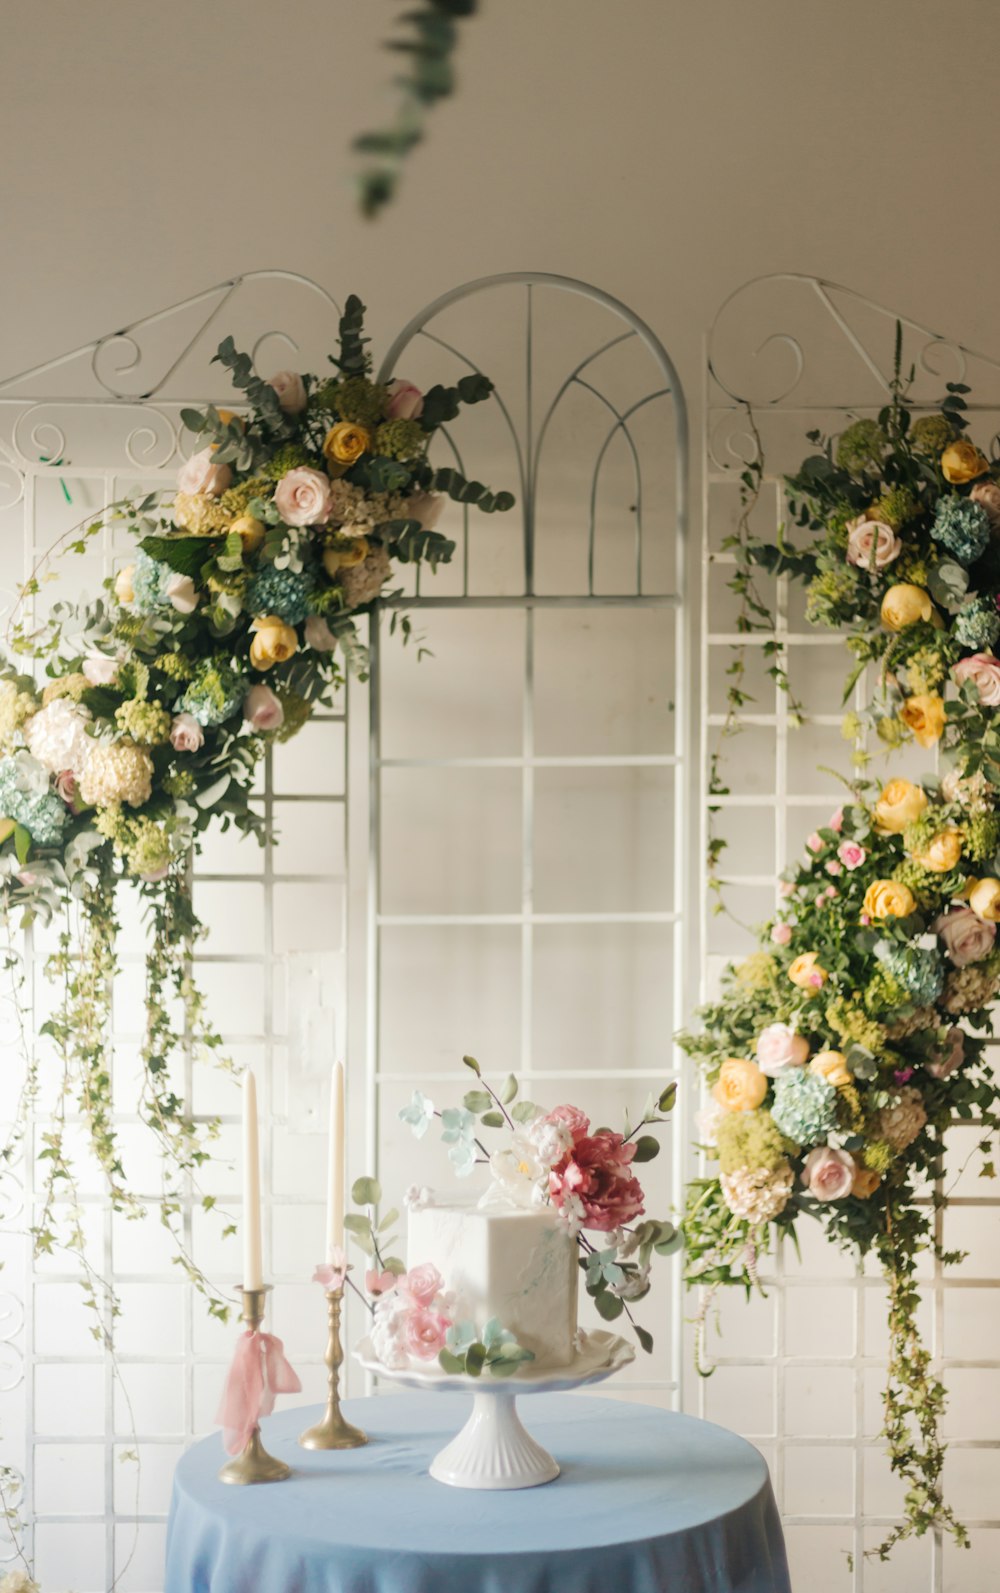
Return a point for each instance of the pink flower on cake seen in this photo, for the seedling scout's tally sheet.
(379, 1282)
(779, 1047)
(422, 1285)
(405, 402)
(984, 672)
(201, 473)
(424, 1333)
(871, 545)
(291, 391)
(262, 709)
(303, 497)
(851, 854)
(967, 937)
(828, 1174)
(186, 734)
(332, 1272)
(576, 1121)
(597, 1173)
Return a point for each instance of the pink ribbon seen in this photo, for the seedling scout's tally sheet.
(259, 1371)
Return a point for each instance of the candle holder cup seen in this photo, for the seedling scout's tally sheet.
(333, 1431)
(253, 1463)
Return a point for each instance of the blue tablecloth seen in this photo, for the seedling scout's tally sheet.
(648, 1502)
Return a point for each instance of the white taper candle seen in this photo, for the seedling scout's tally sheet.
(253, 1272)
(336, 1163)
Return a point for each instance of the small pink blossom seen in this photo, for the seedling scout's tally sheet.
(186, 734)
(291, 391)
(262, 709)
(422, 1284)
(576, 1121)
(851, 854)
(836, 822)
(424, 1333)
(332, 1272)
(816, 980)
(201, 473)
(302, 497)
(100, 671)
(903, 1075)
(379, 1282)
(827, 1173)
(831, 893)
(405, 402)
(781, 934)
(865, 920)
(834, 868)
(815, 842)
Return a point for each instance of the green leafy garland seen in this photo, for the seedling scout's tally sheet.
(842, 1049)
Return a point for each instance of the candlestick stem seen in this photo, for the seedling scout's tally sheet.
(333, 1432)
(254, 1464)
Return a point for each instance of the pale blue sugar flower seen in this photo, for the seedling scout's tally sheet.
(419, 1114)
(459, 1134)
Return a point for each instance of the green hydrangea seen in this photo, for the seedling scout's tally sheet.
(854, 1025)
(282, 592)
(962, 527)
(216, 693)
(980, 836)
(924, 885)
(861, 447)
(237, 499)
(895, 507)
(831, 597)
(72, 686)
(179, 783)
(354, 399)
(41, 813)
(749, 1139)
(919, 969)
(149, 583)
(400, 439)
(174, 665)
(891, 731)
(805, 1106)
(112, 824)
(919, 834)
(977, 624)
(147, 850)
(931, 434)
(148, 723)
(16, 708)
(912, 566)
(926, 670)
(878, 1155)
(884, 993)
(290, 457)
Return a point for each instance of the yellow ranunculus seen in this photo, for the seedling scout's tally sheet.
(806, 972)
(249, 530)
(273, 642)
(740, 1086)
(923, 713)
(7, 828)
(865, 1182)
(905, 604)
(962, 461)
(887, 898)
(941, 854)
(832, 1066)
(344, 444)
(984, 899)
(900, 803)
(345, 558)
(124, 591)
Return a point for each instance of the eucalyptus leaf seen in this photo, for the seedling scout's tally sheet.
(366, 1192)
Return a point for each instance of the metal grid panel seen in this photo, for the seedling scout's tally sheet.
(800, 1372)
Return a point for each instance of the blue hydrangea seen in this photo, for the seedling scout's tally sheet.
(962, 527)
(41, 812)
(919, 969)
(978, 624)
(285, 593)
(805, 1106)
(149, 582)
(214, 695)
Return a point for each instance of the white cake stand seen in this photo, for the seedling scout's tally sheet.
(493, 1450)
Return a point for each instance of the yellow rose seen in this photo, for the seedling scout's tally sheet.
(345, 558)
(740, 1086)
(887, 898)
(865, 1182)
(124, 591)
(249, 530)
(832, 1066)
(904, 605)
(924, 715)
(345, 443)
(7, 827)
(806, 972)
(962, 461)
(900, 803)
(942, 853)
(984, 899)
(273, 642)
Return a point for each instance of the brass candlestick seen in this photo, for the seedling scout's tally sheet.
(333, 1432)
(254, 1464)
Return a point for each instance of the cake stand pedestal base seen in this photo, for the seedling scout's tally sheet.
(493, 1450)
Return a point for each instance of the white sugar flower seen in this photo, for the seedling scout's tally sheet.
(550, 1139)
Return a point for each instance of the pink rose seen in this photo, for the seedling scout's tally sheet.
(781, 934)
(66, 789)
(967, 937)
(427, 507)
(379, 1282)
(987, 495)
(186, 734)
(828, 1174)
(830, 893)
(100, 671)
(262, 709)
(303, 497)
(595, 1180)
(200, 473)
(404, 402)
(424, 1333)
(871, 545)
(949, 1055)
(181, 593)
(318, 634)
(984, 672)
(851, 854)
(837, 821)
(422, 1284)
(815, 842)
(291, 391)
(833, 868)
(576, 1121)
(779, 1047)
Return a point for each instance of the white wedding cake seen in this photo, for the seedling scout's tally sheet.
(517, 1265)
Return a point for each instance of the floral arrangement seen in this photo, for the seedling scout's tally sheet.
(548, 1158)
(159, 699)
(841, 1050)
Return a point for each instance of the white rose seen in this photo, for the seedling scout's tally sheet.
(779, 1047)
(201, 473)
(870, 544)
(100, 671)
(291, 391)
(181, 592)
(186, 734)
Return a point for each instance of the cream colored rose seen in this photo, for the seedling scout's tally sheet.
(201, 474)
(905, 604)
(887, 898)
(983, 669)
(900, 803)
(741, 1085)
(962, 462)
(987, 495)
(807, 973)
(291, 391)
(124, 590)
(832, 1066)
(984, 899)
(923, 713)
(273, 642)
(942, 854)
(871, 545)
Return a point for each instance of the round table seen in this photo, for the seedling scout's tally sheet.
(648, 1502)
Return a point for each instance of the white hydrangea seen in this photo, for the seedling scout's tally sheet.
(18, 1581)
(117, 771)
(57, 736)
(756, 1194)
